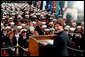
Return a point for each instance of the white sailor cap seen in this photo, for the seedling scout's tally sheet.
(8, 27)
(31, 28)
(52, 29)
(17, 12)
(72, 29)
(64, 18)
(51, 18)
(41, 15)
(1, 24)
(51, 23)
(82, 22)
(43, 23)
(34, 15)
(12, 23)
(82, 27)
(34, 22)
(23, 24)
(46, 29)
(44, 26)
(19, 15)
(78, 26)
(5, 13)
(54, 20)
(74, 23)
(27, 12)
(13, 13)
(19, 27)
(2, 27)
(67, 26)
(23, 30)
(37, 13)
(49, 14)
(27, 16)
(10, 18)
(4, 16)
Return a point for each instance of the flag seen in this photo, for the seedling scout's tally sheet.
(39, 4)
(57, 9)
(34, 3)
(49, 6)
(62, 6)
(54, 6)
(65, 9)
(44, 5)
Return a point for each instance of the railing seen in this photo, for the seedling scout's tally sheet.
(16, 48)
(81, 52)
(75, 52)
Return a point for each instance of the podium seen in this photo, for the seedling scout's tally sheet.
(35, 41)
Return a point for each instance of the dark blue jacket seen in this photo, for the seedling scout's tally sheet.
(60, 44)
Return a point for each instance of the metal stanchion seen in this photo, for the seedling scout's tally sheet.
(17, 49)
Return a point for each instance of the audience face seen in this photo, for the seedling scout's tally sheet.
(23, 33)
(67, 31)
(51, 25)
(11, 35)
(83, 30)
(78, 29)
(39, 23)
(4, 32)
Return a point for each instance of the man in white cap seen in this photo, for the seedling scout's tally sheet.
(43, 23)
(82, 23)
(34, 23)
(23, 41)
(38, 28)
(67, 28)
(71, 33)
(8, 28)
(47, 31)
(12, 24)
(54, 21)
(50, 25)
(74, 24)
(2, 26)
(72, 30)
(79, 29)
(19, 29)
(27, 16)
(11, 19)
(44, 27)
(23, 25)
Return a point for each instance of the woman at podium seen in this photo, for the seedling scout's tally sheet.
(61, 40)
